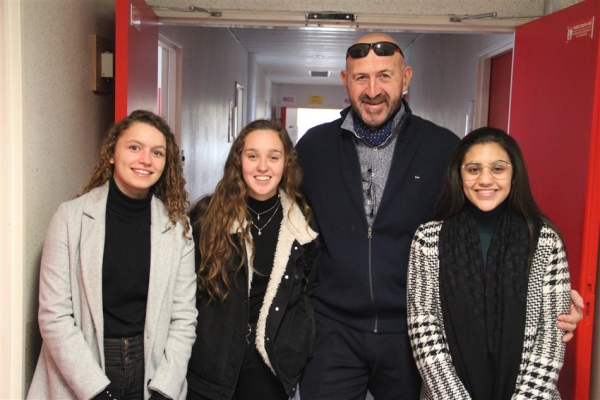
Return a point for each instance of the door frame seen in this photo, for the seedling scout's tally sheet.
(12, 346)
(175, 77)
(484, 68)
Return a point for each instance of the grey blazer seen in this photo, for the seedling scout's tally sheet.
(71, 362)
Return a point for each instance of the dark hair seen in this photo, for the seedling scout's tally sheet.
(213, 216)
(170, 187)
(520, 198)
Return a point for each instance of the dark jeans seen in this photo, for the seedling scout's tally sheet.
(348, 362)
(124, 366)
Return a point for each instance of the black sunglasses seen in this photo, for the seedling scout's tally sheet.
(386, 49)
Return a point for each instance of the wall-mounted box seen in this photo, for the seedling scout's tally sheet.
(102, 65)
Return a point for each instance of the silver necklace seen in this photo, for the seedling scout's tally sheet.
(267, 223)
(264, 212)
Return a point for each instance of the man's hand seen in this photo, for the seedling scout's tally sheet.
(569, 322)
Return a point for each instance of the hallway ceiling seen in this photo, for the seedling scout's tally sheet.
(289, 55)
(288, 44)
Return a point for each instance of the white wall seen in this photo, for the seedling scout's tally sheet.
(444, 75)
(63, 123)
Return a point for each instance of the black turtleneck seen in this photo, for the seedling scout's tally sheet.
(126, 263)
(486, 225)
(264, 248)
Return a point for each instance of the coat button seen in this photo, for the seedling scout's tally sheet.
(286, 277)
(295, 247)
(276, 308)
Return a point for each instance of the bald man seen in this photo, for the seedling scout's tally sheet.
(371, 177)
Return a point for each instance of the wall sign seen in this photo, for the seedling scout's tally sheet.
(581, 30)
(288, 100)
(315, 100)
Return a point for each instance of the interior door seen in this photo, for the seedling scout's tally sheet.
(500, 79)
(554, 116)
(136, 58)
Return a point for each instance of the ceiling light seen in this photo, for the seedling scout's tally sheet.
(478, 16)
(334, 16)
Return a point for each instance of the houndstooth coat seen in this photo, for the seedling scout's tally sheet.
(548, 295)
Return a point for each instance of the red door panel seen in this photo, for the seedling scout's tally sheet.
(554, 112)
(136, 58)
(500, 76)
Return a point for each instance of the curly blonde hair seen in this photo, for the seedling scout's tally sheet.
(213, 216)
(170, 187)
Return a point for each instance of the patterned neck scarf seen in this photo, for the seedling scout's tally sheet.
(376, 137)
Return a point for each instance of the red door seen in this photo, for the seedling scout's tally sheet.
(500, 75)
(555, 108)
(136, 58)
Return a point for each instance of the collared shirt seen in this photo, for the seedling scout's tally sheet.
(375, 162)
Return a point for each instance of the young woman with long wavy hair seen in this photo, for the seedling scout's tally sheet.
(117, 282)
(256, 263)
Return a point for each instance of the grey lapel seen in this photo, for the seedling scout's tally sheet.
(161, 263)
(91, 247)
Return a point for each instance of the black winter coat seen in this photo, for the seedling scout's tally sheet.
(286, 328)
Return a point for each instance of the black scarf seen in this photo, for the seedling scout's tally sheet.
(484, 309)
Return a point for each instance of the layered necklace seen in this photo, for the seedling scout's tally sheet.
(275, 206)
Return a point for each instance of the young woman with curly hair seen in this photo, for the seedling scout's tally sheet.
(256, 265)
(117, 282)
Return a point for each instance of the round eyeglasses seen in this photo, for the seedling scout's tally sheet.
(498, 169)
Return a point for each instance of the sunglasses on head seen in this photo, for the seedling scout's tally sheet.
(386, 49)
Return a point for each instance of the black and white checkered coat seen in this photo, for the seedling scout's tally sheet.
(548, 295)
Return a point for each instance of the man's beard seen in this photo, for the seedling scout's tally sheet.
(393, 108)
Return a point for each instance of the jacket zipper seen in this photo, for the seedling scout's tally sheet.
(369, 236)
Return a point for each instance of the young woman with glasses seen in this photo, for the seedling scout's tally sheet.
(256, 263)
(486, 280)
(117, 282)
